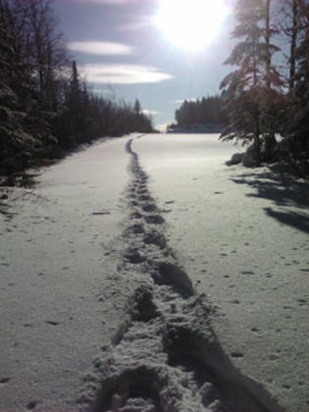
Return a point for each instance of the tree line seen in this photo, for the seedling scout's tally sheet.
(267, 93)
(208, 110)
(45, 106)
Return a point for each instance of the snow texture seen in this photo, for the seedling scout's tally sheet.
(169, 341)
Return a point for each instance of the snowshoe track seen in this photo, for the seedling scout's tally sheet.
(165, 357)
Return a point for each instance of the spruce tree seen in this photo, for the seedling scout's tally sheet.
(250, 90)
(17, 146)
(298, 111)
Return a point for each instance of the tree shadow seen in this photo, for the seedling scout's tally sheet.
(296, 220)
(283, 190)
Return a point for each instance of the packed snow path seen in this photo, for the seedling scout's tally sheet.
(167, 357)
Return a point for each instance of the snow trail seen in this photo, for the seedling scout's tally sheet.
(165, 357)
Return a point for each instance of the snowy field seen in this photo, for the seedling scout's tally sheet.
(143, 274)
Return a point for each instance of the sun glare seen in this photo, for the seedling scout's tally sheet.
(191, 24)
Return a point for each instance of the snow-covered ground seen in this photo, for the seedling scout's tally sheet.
(143, 274)
(56, 257)
(242, 237)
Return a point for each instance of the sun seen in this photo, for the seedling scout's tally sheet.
(191, 24)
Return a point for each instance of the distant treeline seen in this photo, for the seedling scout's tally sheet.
(208, 110)
(45, 107)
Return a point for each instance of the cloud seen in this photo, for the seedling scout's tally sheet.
(148, 112)
(102, 91)
(100, 48)
(123, 74)
(180, 101)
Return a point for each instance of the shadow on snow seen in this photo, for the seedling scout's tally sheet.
(283, 191)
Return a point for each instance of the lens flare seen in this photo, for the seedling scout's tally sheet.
(191, 24)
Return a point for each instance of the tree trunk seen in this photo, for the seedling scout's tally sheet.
(293, 45)
(270, 140)
(257, 137)
(267, 41)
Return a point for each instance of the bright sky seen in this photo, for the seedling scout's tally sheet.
(159, 51)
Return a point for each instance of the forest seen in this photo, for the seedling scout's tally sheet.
(264, 101)
(46, 108)
(201, 111)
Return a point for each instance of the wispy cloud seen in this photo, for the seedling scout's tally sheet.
(102, 91)
(180, 101)
(123, 74)
(148, 112)
(100, 48)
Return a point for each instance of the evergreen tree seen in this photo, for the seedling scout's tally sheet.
(137, 109)
(205, 111)
(250, 90)
(291, 21)
(293, 43)
(140, 122)
(69, 124)
(16, 145)
(297, 125)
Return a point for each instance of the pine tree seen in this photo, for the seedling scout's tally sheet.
(293, 44)
(298, 113)
(291, 21)
(69, 127)
(250, 90)
(140, 122)
(17, 146)
(137, 107)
